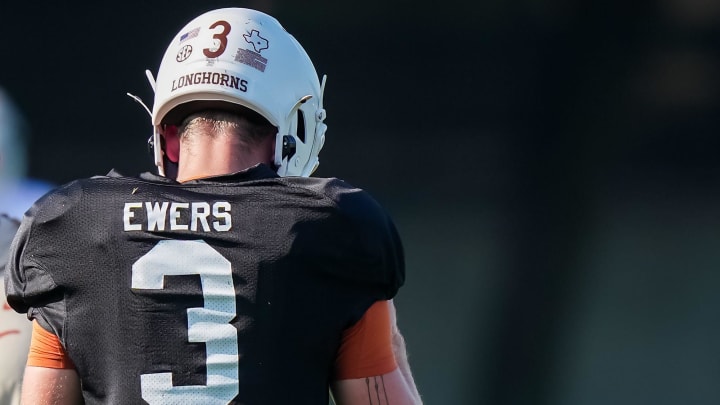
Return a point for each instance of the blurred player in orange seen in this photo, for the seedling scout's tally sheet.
(231, 276)
(17, 193)
(14, 328)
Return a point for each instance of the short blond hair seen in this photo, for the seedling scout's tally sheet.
(216, 122)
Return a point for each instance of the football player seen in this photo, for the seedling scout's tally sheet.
(231, 276)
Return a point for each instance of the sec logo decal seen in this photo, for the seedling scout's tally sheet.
(184, 53)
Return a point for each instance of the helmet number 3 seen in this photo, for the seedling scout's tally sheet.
(221, 37)
(209, 324)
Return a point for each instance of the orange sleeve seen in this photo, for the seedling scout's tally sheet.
(46, 350)
(366, 347)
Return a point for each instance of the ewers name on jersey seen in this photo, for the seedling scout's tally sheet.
(197, 216)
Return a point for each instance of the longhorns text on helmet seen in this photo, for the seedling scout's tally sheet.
(245, 57)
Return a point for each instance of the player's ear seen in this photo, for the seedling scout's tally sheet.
(172, 142)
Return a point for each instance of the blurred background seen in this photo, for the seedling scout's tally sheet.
(552, 166)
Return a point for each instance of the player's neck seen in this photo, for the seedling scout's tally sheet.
(219, 157)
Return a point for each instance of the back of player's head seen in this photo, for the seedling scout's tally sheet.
(234, 58)
(247, 127)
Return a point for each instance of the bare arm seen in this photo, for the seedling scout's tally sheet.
(51, 386)
(401, 357)
(396, 387)
(384, 389)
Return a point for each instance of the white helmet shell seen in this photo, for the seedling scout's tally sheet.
(236, 56)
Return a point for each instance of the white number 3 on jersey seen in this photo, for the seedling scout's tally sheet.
(209, 324)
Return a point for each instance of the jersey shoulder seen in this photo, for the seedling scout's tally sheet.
(362, 229)
(349, 200)
(47, 242)
(92, 192)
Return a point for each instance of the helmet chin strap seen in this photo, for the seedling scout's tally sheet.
(139, 101)
(151, 79)
(155, 141)
(157, 152)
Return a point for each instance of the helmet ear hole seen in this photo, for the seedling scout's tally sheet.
(300, 126)
(288, 147)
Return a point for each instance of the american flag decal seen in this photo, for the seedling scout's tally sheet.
(190, 34)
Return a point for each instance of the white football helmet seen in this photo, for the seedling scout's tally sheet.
(236, 56)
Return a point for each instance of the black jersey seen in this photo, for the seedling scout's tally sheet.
(234, 289)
